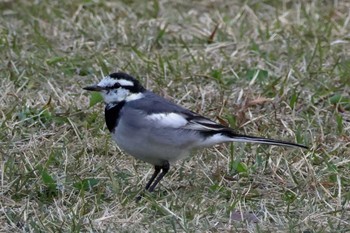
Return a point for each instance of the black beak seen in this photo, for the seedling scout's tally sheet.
(93, 88)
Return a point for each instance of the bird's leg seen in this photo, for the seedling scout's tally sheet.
(165, 168)
(155, 174)
(150, 184)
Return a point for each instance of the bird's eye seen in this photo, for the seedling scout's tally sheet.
(116, 85)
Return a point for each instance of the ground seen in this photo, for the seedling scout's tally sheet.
(277, 69)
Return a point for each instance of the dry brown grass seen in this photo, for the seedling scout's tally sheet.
(273, 68)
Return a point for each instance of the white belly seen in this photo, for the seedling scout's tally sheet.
(146, 148)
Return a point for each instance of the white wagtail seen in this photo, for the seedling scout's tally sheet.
(157, 131)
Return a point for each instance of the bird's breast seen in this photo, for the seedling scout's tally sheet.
(112, 115)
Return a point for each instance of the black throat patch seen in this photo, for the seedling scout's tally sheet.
(112, 115)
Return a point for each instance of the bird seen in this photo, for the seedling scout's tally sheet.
(158, 131)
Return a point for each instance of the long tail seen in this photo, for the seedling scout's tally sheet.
(245, 138)
(216, 133)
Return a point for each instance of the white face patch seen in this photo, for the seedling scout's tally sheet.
(108, 81)
(171, 120)
(118, 94)
(124, 82)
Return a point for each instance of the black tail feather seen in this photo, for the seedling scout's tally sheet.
(253, 139)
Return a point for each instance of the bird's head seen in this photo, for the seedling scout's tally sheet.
(118, 87)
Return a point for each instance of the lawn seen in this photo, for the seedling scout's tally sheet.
(277, 69)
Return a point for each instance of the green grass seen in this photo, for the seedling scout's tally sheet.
(278, 69)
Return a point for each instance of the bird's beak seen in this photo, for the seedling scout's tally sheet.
(93, 88)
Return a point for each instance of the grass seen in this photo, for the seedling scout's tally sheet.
(278, 69)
